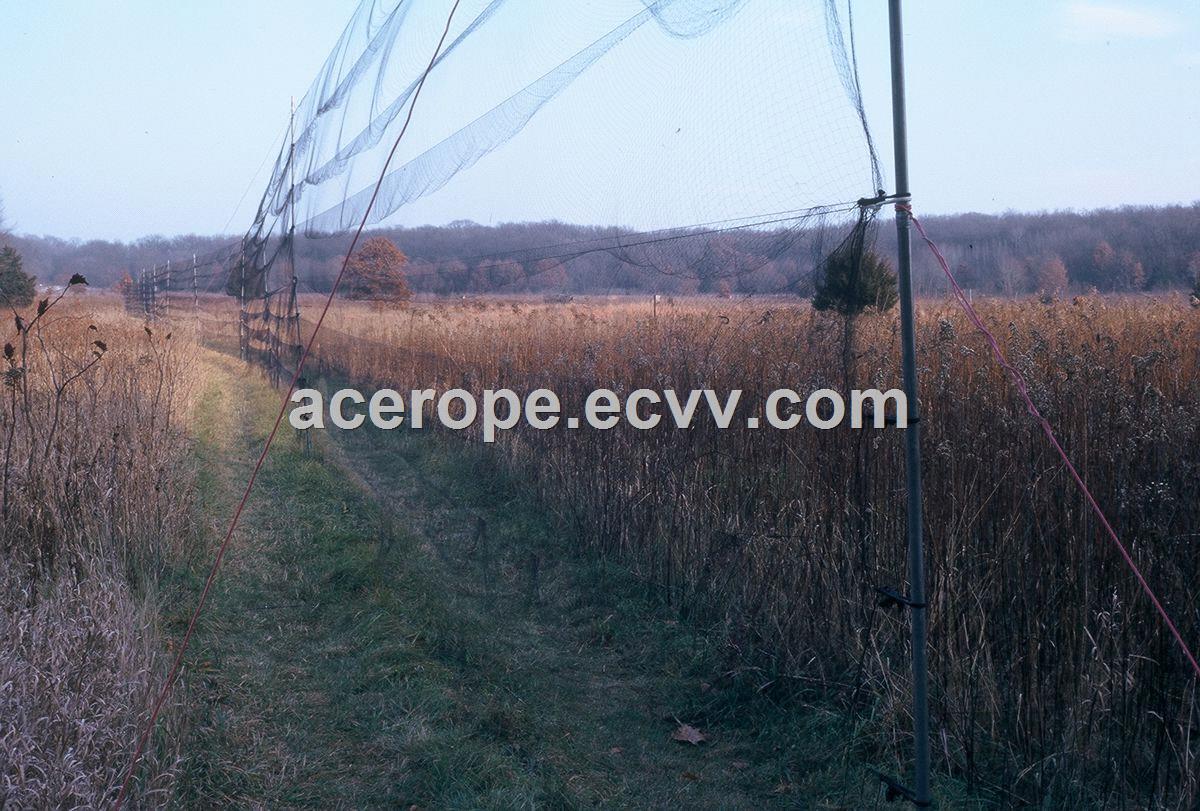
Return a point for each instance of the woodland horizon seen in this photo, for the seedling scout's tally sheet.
(1127, 249)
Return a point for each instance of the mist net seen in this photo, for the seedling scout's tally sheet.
(704, 139)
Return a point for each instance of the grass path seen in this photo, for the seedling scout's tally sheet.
(409, 631)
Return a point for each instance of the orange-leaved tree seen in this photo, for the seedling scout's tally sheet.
(376, 272)
(1050, 275)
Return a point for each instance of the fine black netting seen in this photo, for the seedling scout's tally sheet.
(707, 139)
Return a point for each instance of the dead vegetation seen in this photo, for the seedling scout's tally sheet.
(1053, 681)
(95, 503)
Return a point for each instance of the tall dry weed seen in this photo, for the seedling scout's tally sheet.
(1052, 679)
(95, 504)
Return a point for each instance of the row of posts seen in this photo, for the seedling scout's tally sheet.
(144, 297)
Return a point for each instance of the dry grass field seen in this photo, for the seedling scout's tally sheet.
(1053, 680)
(95, 505)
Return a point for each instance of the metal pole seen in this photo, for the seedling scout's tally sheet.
(269, 321)
(243, 338)
(294, 317)
(195, 297)
(293, 313)
(912, 435)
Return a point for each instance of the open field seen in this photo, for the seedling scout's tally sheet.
(670, 404)
(1053, 678)
(369, 645)
(525, 624)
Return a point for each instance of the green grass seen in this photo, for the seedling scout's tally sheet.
(366, 646)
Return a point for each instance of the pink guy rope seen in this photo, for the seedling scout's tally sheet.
(1023, 390)
(173, 674)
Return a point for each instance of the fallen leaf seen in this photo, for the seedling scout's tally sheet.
(616, 750)
(690, 776)
(686, 733)
(740, 764)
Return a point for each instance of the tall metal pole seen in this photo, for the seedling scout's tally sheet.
(912, 434)
(293, 314)
(243, 337)
(195, 296)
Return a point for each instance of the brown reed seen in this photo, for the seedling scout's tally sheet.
(95, 505)
(1052, 681)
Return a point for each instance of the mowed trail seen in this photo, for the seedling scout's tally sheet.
(399, 625)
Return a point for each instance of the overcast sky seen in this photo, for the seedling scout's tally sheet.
(122, 119)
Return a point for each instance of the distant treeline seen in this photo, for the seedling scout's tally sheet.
(1125, 249)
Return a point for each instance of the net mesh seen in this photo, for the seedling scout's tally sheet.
(707, 139)
(646, 116)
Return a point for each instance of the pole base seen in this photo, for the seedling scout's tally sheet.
(895, 790)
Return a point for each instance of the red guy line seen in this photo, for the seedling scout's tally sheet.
(1023, 390)
(173, 674)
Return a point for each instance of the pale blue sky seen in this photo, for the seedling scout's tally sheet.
(122, 119)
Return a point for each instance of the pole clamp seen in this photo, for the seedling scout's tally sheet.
(883, 197)
(890, 597)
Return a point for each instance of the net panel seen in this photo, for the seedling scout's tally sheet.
(705, 137)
